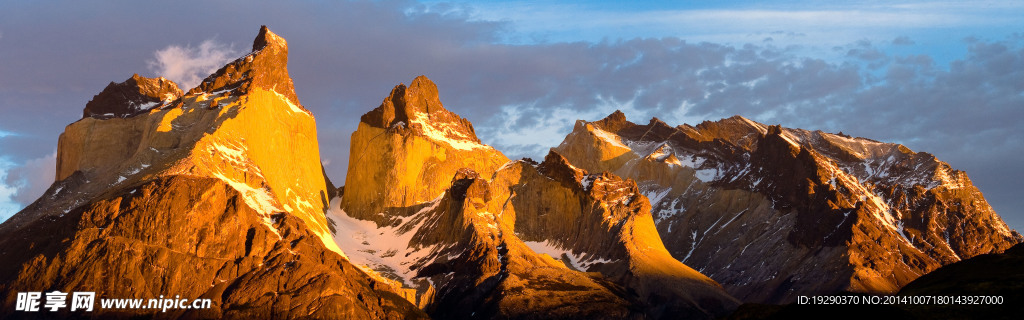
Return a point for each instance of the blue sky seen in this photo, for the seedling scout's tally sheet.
(941, 77)
(934, 27)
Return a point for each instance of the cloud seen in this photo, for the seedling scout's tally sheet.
(7, 205)
(30, 179)
(188, 66)
(902, 41)
(967, 112)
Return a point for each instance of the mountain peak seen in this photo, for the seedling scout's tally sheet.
(419, 97)
(613, 122)
(133, 96)
(419, 108)
(266, 67)
(267, 37)
(423, 88)
(738, 117)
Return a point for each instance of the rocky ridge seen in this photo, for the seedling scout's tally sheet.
(131, 97)
(857, 214)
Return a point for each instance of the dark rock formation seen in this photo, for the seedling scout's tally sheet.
(133, 96)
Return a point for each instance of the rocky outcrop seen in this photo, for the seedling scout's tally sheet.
(772, 213)
(133, 96)
(196, 198)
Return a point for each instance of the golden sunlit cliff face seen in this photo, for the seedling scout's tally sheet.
(216, 194)
(406, 151)
(234, 127)
(602, 223)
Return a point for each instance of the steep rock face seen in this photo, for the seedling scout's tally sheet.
(453, 241)
(601, 223)
(405, 152)
(773, 212)
(218, 194)
(133, 96)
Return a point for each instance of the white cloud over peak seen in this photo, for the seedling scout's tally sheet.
(187, 65)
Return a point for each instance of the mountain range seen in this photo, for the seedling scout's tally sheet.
(218, 193)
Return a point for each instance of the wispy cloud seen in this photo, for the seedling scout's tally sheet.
(187, 65)
(23, 184)
(831, 22)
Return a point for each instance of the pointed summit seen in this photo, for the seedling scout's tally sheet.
(421, 96)
(131, 97)
(265, 68)
(613, 122)
(267, 37)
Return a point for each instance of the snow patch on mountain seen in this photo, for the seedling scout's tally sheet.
(384, 250)
(447, 133)
(581, 262)
(258, 199)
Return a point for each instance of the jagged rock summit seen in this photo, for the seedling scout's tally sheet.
(773, 213)
(265, 68)
(215, 194)
(419, 107)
